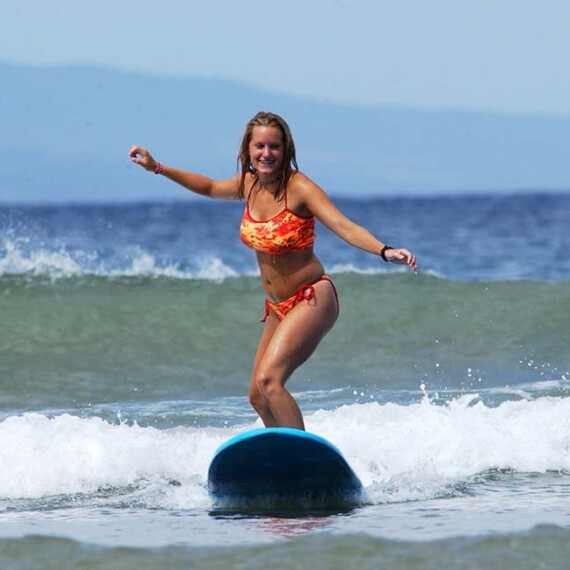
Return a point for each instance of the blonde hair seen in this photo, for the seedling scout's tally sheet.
(263, 119)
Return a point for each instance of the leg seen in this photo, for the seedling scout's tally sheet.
(255, 397)
(286, 346)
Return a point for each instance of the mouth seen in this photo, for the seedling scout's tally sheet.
(266, 166)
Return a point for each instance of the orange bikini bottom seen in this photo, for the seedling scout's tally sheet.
(305, 293)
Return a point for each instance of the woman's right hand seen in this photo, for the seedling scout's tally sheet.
(141, 156)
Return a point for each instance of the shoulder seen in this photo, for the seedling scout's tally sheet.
(302, 192)
(300, 182)
(302, 187)
(247, 184)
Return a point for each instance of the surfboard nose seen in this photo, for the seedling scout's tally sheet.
(282, 466)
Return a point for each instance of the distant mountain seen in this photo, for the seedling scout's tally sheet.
(65, 133)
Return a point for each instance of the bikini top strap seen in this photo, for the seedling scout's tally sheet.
(247, 203)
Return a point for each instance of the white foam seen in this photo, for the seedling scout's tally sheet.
(214, 269)
(41, 261)
(144, 265)
(340, 268)
(414, 446)
(423, 447)
(41, 457)
(18, 259)
(399, 452)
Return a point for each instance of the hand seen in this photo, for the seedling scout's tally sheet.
(401, 257)
(141, 156)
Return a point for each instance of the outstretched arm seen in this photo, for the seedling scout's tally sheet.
(220, 189)
(320, 205)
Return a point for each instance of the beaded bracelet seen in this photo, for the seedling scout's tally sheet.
(159, 168)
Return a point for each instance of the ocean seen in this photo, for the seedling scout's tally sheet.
(127, 333)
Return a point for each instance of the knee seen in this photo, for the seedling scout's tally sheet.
(255, 398)
(264, 385)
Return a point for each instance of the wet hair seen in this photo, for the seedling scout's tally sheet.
(290, 167)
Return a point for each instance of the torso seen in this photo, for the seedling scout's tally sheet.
(282, 274)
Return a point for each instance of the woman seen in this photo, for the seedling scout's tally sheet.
(278, 223)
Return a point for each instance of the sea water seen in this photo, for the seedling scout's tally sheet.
(127, 334)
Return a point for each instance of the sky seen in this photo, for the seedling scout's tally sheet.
(494, 55)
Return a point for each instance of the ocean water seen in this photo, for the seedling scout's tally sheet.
(127, 334)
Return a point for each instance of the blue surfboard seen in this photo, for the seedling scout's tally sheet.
(282, 467)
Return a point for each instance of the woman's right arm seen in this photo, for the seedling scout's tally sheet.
(217, 189)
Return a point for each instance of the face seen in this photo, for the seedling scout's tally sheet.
(266, 150)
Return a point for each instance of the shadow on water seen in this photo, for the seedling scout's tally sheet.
(287, 506)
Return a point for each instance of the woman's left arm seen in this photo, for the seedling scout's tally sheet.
(319, 204)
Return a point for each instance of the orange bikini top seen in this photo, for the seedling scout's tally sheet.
(285, 232)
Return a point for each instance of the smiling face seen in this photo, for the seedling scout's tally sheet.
(266, 151)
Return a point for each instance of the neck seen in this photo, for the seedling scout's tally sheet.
(269, 182)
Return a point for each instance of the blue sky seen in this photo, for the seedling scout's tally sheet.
(499, 55)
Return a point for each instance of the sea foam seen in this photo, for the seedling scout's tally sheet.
(400, 452)
(18, 258)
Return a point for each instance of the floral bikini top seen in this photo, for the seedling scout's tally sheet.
(285, 232)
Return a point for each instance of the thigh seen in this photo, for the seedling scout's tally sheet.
(297, 336)
(269, 329)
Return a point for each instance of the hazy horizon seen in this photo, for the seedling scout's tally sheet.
(68, 129)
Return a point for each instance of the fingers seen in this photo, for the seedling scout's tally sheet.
(409, 259)
(412, 263)
(141, 156)
(404, 257)
(135, 152)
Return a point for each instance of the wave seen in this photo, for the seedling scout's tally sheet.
(400, 452)
(61, 264)
(169, 239)
(54, 265)
(543, 546)
(97, 339)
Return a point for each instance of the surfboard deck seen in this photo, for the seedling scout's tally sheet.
(280, 467)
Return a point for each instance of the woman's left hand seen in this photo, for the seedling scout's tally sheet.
(401, 256)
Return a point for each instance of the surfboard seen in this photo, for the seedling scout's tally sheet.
(282, 467)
